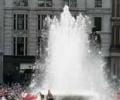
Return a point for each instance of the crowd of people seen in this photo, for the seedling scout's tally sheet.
(12, 92)
(16, 91)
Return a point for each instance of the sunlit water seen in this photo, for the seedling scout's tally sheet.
(70, 68)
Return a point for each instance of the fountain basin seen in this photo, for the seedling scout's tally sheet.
(75, 97)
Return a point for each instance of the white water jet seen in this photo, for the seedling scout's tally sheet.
(71, 69)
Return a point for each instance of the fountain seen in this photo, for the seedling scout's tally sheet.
(73, 71)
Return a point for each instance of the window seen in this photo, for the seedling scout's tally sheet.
(118, 8)
(115, 69)
(113, 36)
(20, 21)
(41, 21)
(98, 23)
(21, 2)
(40, 45)
(98, 3)
(66, 2)
(45, 3)
(71, 3)
(48, 3)
(113, 8)
(41, 3)
(20, 46)
(116, 36)
(15, 21)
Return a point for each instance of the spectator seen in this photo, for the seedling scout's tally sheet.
(49, 95)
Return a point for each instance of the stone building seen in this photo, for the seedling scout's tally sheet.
(1, 38)
(115, 43)
(23, 22)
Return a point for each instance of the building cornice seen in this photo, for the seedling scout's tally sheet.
(115, 51)
(115, 18)
(115, 54)
(53, 9)
(43, 9)
(98, 11)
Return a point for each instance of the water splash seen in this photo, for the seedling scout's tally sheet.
(71, 68)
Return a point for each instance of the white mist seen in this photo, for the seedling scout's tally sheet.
(71, 69)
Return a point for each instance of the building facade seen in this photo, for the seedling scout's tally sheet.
(24, 23)
(1, 38)
(115, 43)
